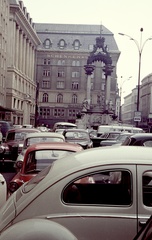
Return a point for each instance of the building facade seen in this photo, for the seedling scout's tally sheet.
(4, 21)
(20, 85)
(61, 77)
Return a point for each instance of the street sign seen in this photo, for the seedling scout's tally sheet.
(137, 116)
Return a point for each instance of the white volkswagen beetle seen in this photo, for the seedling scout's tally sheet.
(3, 190)
(104, 192)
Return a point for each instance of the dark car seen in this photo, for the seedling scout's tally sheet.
(5, 126)
(119, 140)
(79, 136)
(139, 139)
(105, 136)
(13, 143)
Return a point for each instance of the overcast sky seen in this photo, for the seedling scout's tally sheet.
(125, 16)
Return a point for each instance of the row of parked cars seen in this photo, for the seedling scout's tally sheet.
(78, 193)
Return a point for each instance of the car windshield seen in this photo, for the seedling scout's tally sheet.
(38, 160)
(34, 140)
(76, 135)
(16, 136)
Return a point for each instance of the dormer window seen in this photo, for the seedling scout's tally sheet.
(76, 44)
(62, 44)
(47, 43)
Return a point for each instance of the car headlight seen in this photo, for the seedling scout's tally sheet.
(2, 149)
(13, 186)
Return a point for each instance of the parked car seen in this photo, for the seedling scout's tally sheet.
(4, 127)
(105, 136)
(13, 143)
(115, 205)
(79, 136)
(37, 157)
(119, 140)
(139, 139)
(32, 138)
(3, 190)
(63, 125)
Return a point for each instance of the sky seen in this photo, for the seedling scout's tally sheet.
(119, 16)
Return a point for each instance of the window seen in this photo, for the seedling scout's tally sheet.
(147, 188)
(104, 188)
(44, 111)
(60, 84)
(47, 43)
(74, 98)
(46, 61)
(45, 97)
(76, 44)
(61, 62)
(61, 72)
(59, 98)
(62, 44)
(90, 47)
(76, 63)
(72, 113)
(59, 112)
(46, 73)
(45, 84)
(75, 85)
(75, 74)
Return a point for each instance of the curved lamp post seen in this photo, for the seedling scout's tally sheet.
(140, 47)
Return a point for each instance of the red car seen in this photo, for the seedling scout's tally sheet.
(37, 157)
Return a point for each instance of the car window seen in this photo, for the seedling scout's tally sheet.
(147, 188)
(148, 143)
(34, 140)
(74, 135)
(105, 188)
(38, 160)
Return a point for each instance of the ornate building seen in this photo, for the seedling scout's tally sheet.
(22, 45)
(62, 81)
(4, 20)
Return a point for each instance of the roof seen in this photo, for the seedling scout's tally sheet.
(85, 33)
(54, 145)
(44, 134)
(23, 130)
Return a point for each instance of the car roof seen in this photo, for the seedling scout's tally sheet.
(54, 145)
(75, 130)
(23, 130)
(141, 135)
(44, 134)
(111, 155)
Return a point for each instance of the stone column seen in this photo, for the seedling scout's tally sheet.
(24, 53)
(17, 46)
(89, 70)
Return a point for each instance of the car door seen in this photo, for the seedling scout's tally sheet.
(102, 205)
(144, 191)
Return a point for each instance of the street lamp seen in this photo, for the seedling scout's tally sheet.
(140, 47)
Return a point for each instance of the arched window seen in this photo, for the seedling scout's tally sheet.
(45, 97)
(76, 44)
(74, 98)
(59, 98)
(62, 44)
(47, 43)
